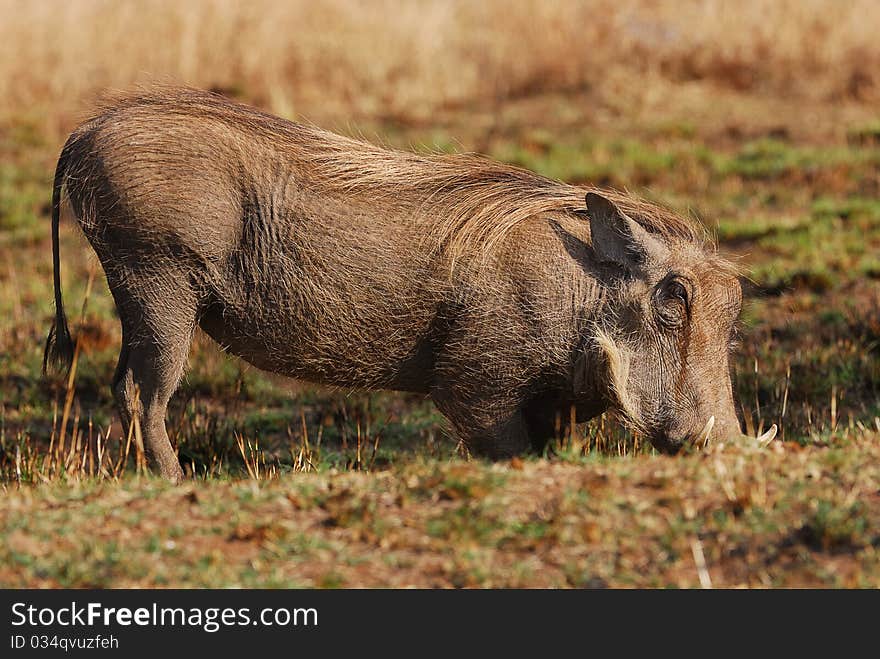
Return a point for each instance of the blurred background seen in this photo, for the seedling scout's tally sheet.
(758, 118)
(349, 59)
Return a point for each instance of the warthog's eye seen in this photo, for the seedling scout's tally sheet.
(734, 342)
(671, 301)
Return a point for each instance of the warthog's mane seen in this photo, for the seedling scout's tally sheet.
(474, 202)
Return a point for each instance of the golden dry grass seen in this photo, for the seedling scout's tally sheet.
(344, 58)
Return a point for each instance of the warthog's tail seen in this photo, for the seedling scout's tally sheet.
(59, 345)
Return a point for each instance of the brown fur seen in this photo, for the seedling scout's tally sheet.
(475, 202)
(336, 261)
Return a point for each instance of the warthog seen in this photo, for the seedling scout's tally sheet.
(505, 296)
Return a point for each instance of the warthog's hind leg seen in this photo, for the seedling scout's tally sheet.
(155, 344)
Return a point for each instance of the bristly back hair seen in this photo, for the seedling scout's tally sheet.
(474, 201)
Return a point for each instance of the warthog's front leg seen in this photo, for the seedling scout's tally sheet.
(493, 428)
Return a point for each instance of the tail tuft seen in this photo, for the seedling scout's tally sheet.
(58, 355)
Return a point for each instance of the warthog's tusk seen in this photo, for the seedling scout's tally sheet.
(705, 432)
(767, 437)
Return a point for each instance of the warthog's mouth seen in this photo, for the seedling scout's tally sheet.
(672, 445)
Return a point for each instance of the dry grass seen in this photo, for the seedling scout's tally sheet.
(345, 59)
(785, 517)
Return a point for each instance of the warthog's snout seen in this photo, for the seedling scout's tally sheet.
(672, 444)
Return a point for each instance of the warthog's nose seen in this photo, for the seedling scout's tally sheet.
(670, 443)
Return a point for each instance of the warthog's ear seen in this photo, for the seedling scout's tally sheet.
(619, 239)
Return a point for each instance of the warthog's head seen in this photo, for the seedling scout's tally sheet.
(666, 332)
